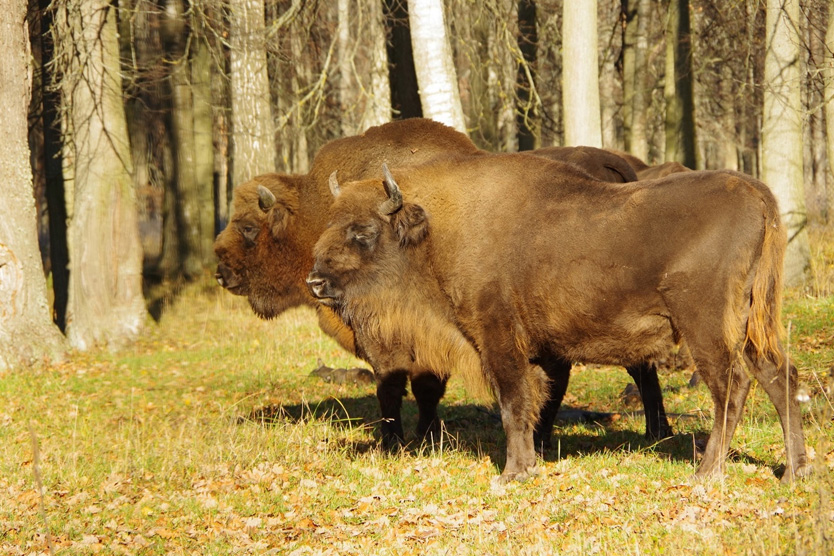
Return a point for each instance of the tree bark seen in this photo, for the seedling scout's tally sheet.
(828, 76)
(580, 77)
(402, 77)
(253, 141)
(27, 332)
(55, 196)
(105, 303)
(640, 100)
(528, 116)
(610, 45)
(680, 105)
(782, 131)
(186, 209)
(378, 105)
(629, 16)
(201, 76)
(364, 93)
(439, 95)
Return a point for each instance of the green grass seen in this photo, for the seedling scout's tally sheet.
(208, 437)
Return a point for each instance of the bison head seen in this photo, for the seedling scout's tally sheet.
(259, 254)
(367, 239)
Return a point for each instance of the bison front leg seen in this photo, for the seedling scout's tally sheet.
(390, 390)
(521, 389)
(428, 388)
(645, 377)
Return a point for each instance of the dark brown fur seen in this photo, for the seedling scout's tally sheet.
(646, 172)
(533, 260)
(602, 164)
(270, 266)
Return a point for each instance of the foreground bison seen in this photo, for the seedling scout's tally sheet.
(266, 252)
(533, 260)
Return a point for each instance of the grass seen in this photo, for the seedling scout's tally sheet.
(208, 437)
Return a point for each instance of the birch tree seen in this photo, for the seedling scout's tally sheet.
(26, 329)
(580, 78)
(782, 131)
(253, 141)
(436, 77)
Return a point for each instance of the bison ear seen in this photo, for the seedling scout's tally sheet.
(411, 224)
(279, 218)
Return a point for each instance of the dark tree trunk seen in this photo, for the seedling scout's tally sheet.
(55, 198)
(405, 97)
(527, 43)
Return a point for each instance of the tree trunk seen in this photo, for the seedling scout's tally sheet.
(629, 15)
(782, 131)
(26, 329)
(187, 207)
(680, 107)
(610, 44)
(828, 76)
(253, 141)
(528, 117)
(105, 295)
(55, 197)
(640, 100)
(402, 77)
(203, 146)
(378, 108)
(364, 93)
(814, 128)
(580, 77)
(348, 97)
(439, 95)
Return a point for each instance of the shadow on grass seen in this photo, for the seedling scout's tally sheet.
(477, 430)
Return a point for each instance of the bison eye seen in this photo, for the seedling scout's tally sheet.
(249, 234)
(365, 236)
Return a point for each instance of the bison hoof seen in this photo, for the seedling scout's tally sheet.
(801, 472)
(393, 444)
(519, 476)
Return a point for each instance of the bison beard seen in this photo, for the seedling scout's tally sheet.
(530, 261)
(265, 254)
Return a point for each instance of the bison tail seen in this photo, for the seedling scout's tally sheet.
(764, 325)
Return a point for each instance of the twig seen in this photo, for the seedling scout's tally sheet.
(39, 483)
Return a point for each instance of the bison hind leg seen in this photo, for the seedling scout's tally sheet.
(780, 384)
(558, 371)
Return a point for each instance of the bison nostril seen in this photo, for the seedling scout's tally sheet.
(220, 280)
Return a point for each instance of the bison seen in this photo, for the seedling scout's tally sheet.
(646, 172)
(529, 261)
(266, 252)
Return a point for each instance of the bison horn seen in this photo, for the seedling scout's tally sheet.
(334, 184)
(395, 197)
(265, 198)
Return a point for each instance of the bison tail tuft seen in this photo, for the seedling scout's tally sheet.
(764, 325)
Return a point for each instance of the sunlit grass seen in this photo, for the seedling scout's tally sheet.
(208, 437)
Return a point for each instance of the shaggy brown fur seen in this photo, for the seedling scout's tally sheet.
(531, 260)
(266, 252)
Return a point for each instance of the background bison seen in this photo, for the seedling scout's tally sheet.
(572, 267)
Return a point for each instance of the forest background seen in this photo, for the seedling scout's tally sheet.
(142, 116)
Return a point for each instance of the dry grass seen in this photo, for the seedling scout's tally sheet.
(208, 437)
